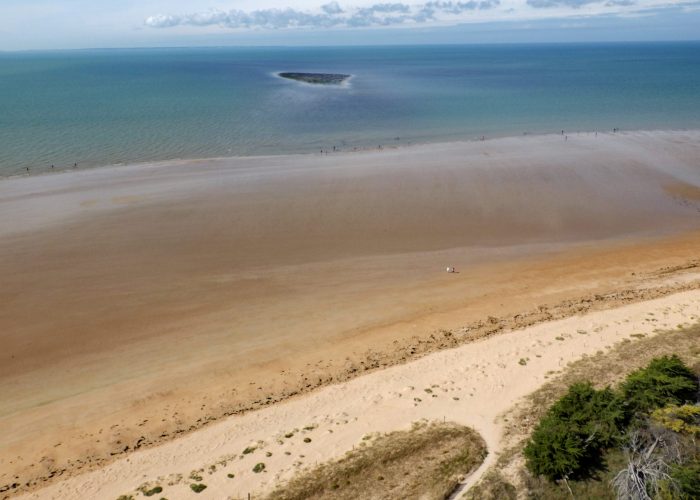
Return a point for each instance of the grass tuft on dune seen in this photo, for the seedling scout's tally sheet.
(426, 461)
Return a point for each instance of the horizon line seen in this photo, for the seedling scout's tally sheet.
(389, 44)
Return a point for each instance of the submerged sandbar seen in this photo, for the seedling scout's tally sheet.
(316, 78)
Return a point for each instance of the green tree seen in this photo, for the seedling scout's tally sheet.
(569, 441)
(665, 381)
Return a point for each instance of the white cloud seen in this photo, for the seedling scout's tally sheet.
(328, 15)
(335, 15)
(163, 21)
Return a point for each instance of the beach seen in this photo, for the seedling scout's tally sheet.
(473, 385)
(146, 302)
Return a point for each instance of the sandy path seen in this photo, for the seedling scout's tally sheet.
(140, 302)
(471, 385)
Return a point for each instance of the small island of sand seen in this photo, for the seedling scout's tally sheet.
(316, 78)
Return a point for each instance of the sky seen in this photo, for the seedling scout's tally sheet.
(76, 24)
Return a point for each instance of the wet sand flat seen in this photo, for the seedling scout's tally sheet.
(141, 302)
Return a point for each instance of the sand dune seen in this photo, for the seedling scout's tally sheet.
(141, 302)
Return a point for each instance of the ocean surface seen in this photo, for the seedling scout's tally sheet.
(101, 107)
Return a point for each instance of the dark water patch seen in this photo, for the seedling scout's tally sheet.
(316, 78)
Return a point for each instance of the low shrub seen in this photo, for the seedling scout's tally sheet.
(152, 491)
(665, 381)
(198, 488)
(687, 479)
(683, 419)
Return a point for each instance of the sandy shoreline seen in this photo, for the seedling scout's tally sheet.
(471, 385)
(339, 150)
(143, 302)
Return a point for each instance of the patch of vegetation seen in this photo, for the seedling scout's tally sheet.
(152, 491)
(230, 476)
(198, 487)
(570, 439)
(682, 419)
(574, 448)
(596, 487)
(522, 361)
(259, 467)
(125, 497)
(665, 381)
(493, 486)
(424, 462)
(659, 464)
(307, 439)
(687, 481)
(249, 449)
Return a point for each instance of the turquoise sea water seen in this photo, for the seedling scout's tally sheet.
(122, 106)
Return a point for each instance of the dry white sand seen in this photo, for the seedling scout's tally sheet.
(472, 385)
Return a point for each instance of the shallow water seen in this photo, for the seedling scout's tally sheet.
(123, 106)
